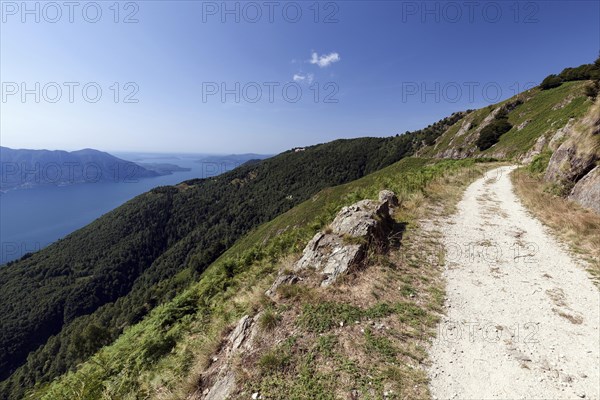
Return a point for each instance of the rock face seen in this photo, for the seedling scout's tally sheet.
(567, 164)
(219, 380)
(587, 191)
(352, 231)
(560, 134)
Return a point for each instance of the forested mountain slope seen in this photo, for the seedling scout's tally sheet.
(61, 304)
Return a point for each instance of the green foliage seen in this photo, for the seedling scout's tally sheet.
(581, 73)
(273, 361)
(112, 272)
(551, 81)
(491, 133)
(324, 316)
(592, 89)
(539, 163)
(379, 345)
(124, 370)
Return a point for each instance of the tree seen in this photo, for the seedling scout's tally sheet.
(551, 81)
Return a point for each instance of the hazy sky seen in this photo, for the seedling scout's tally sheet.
(362, 68)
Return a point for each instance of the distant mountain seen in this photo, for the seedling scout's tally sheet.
(22, 168)
(163, 168)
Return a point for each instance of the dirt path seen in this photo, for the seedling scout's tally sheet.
(522, 316)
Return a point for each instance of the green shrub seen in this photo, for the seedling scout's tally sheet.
(539, 163)
(490, 135)
(551, 81)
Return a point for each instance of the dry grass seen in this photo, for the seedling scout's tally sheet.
(365, 336)
(576, 226)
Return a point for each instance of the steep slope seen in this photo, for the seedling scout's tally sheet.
(79, 293)
(166, 355)
(531, 114)
(518, 128)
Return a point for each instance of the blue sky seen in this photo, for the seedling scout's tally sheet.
(372, 68)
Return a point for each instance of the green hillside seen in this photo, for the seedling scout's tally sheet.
(162, 351)
(532, 114)
(63, 303)
(132, 304)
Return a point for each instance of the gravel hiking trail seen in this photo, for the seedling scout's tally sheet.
(522, 315)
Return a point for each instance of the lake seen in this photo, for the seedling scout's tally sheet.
(30, 219)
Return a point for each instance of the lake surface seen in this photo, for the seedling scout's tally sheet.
(30, 219)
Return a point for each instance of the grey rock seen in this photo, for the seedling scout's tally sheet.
(360, 219)
(569, 165)
(535, 150)
(560, 134)
(587, 191)
(286, 279)
(222, 387)
(389, 197)
(352, 230)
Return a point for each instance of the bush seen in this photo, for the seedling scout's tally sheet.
(551, 81)
(490, 135)
(539, 163)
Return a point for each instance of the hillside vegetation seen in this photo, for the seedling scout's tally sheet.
(163, 357)
(61, 304)
(136, 304)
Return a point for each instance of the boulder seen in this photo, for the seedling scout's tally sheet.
(331, 255)
(587, 191)
(567, 164)
(351, 232)
(360, 219)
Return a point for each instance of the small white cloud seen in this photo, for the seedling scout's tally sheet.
(309, 78)
(324, 60)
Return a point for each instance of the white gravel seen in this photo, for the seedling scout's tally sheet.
(522, 316)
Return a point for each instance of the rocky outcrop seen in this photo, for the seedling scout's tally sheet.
(468, 147)
(389, 197)
(219, 382)
(587, 191)
(535, 150)
(344, 245)
(560, 135)
(282, 279)
(523, 124)
(569, 165)
(573, 165)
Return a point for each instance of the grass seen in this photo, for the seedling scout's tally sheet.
(164, 356)
(540, 111)
(577, 226)
(268, 320)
